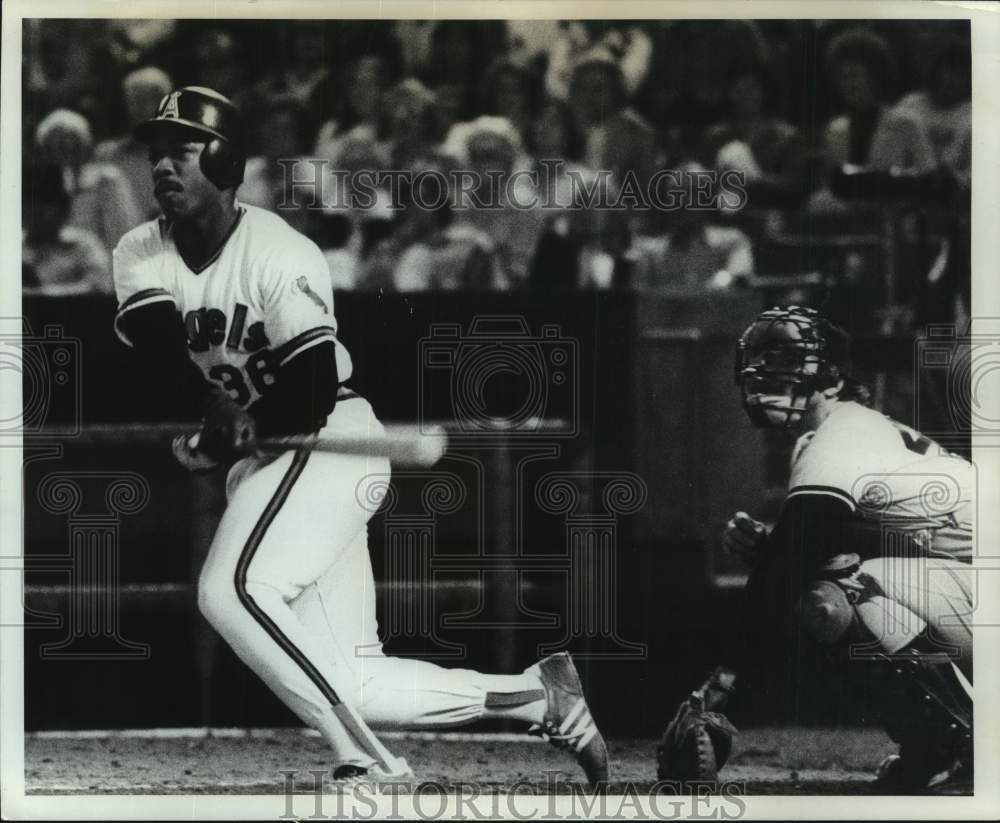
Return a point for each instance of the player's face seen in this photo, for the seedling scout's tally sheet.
(179, 184)
(770, 395)
(774, 404)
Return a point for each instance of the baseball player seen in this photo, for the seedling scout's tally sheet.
(869, 561)
(233, 310)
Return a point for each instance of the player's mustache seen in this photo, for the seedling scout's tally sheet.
(165, 185)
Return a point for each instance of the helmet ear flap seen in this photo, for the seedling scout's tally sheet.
(222, 163)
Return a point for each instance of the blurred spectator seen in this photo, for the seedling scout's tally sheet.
(57, 259)
(555, 136)
(304, 66)
(281, 134)
(491, 146)
(133, 42)
(461, 52)
(768, 151)
(413, 126)
(695, 253)
(221, 63)
(143, 89)
(570, 229)
(415, 42)
(101, 197)
(58, 68)
(355, 213)
(530, 41)
(426, 249)
(527, 41)
(941, 110)
(626, 44)
(356, 105)
(861, 67)
(615, 137)
(512, 90)
(702, 85)
(691, 64)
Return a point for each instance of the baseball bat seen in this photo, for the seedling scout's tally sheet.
(403, 445)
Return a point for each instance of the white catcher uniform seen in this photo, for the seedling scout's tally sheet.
(288, 580)
(894, 478)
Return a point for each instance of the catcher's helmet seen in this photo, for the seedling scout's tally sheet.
(211, 118)
(788, 347)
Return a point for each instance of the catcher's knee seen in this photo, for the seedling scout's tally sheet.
(826, 610)
(825, 613)
(845, 605)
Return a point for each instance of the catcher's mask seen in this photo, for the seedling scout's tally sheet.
(785, 355)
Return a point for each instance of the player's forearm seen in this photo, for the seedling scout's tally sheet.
(303, 396)
(158, 338)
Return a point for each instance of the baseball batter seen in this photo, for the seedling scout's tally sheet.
(870, 560)
(233, 308)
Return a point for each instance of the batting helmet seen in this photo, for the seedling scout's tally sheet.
(215, 121)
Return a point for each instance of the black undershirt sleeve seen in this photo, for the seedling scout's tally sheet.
(303, 395)
(158, 338)
(811, 529)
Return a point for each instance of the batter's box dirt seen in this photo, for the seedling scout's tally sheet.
(773, 761)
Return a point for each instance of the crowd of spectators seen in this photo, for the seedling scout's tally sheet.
(783, 103)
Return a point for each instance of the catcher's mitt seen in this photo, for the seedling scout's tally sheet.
(698, 741)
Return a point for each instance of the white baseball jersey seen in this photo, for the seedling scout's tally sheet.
(264, 297)
(890, 475)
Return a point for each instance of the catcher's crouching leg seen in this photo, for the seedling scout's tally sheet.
(914, 689)
(697, 742)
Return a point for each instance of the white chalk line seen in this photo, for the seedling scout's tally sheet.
(202, 733)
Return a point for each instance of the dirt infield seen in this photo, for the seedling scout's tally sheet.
(776, 761)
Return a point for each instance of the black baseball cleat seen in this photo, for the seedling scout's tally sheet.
(568, 723)
(907, 773)
(349, 771)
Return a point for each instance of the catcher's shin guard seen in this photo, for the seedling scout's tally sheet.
(926, 708)
(913, 688)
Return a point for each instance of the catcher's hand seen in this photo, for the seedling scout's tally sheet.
(744, 537)
(697, 742)
(228, 430)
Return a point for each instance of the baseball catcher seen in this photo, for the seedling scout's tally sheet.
(868, 566)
